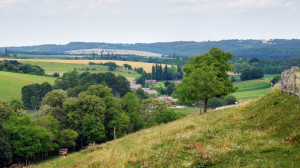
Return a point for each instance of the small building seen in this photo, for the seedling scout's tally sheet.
(149, 91)
(150, 82)
(133, 85)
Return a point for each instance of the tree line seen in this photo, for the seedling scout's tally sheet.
(159, 73)
(15, 66)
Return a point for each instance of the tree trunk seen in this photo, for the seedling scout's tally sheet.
(115, 136)
(200, 106)
(205, 105)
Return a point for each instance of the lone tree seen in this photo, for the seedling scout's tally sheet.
(206, 77)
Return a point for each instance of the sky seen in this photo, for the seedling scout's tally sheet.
(34, 22)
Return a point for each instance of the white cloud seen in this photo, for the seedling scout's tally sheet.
(207, 5)
(9, 3)
(96, 4)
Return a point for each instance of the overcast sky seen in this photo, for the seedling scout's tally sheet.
(31, 22)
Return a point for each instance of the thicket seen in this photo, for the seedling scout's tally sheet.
(15, 66)
(249, 74)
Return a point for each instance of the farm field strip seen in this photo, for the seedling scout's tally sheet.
(52, 67)
(147, 66)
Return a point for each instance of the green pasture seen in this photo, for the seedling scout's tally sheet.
(52, 67)
(251, 89)
(31, 56)
(12, 83)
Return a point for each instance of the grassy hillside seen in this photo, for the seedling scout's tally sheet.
(258, 133)
(51, 67)
(12, 83)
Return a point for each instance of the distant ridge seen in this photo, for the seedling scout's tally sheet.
(276, 48)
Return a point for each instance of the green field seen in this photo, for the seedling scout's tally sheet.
(252, 88)
(257, 133)
(12, 83)
(31, 56)
(51, 67)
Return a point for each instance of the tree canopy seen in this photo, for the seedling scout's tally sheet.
(206, 77)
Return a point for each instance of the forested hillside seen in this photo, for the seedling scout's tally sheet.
(278, 48)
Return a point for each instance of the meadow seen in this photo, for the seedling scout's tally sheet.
(11, 83)
(251, 89)
(259, 133)
(147, 66)
(52, 67)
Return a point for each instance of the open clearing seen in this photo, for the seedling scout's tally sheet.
(11, 83)
(147, 66)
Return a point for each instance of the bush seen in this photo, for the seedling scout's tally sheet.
(229, 100)
(276, 79)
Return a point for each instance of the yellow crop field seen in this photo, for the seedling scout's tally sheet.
(147, 66)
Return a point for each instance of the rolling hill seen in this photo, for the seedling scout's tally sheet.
(277, 48)
(11, 83)
(259, 133)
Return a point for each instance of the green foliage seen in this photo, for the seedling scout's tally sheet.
(99, 90)
(139, 70)
(32, 94)
(78, 83)
(93, 131)
(6, 154)
(16, 105)
(69, 137)
(167, 115)
(75, 109)
(131, 105)
(52, 125)
(276, 79)
(206, 77)
(141, 94)
(150, 107)
(26, 138)
(248, 74)
(5, 111)
(15, 66)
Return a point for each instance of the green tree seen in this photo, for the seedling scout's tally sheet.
(150, 107)
(6, 154)
(92, 130)
(69, 137)
(26, 138)
(99, 90)
(131, 105)
(5, 111)
(206, 77)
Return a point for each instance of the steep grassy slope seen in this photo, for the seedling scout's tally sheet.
(258, 133)
(11, 83)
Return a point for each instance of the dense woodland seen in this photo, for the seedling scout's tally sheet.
(277, 48)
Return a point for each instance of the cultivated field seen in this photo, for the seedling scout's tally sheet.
(147, 66)
(257, 133)
(52, 67)
(252, 88)
(12, 83)
(114, 51)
